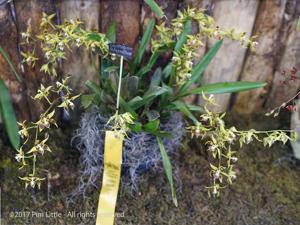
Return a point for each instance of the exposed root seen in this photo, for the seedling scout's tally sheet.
(140, 151)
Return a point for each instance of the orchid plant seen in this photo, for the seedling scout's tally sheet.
(150, 92)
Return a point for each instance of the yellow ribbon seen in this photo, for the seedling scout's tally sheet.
(111, 178)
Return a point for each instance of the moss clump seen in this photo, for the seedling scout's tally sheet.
(266, 192)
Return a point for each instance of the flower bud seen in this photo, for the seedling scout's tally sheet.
(233, 177)
(214, 192)
(234, 159)
(217, 174)
(32, 183)
(197, 132)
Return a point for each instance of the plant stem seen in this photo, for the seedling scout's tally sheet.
(33, 167)
(120, 82)
(264, 132)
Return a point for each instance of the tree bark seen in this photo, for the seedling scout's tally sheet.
(79, 63)
(30, 12)
(9, 41)
(260, 65)
(290, 58)
(227, 64)
(126, 13)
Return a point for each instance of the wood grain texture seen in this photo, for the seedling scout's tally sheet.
(30, 12)
(126, 13)
(228, 63)
(8, 41)
(79, 61)
(291, 57)
(260, 65)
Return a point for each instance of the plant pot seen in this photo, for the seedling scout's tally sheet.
(140, 150)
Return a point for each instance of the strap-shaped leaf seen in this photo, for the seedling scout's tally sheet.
(150, 95)
(153, 92)
(10, 63)
(187, 30)
(8, 116)
(149, 65)
(155, 8)
(168, 169)
(128, 108)
(136, 102)
(167, 70)
(185, 110)
(144, 42)
(93, 87)
(152, 126)
(111, 32)
(226, 87)
(200, 67)
(156, 78)
(104, 62)
(195, 108)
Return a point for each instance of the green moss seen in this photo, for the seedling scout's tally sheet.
(266, 192)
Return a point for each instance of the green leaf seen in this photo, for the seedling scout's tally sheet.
(111, 32)
(156, 78)
(127, 108)
(187, 29)
(167, 70)
(105, 64)
(195, 108)
(155, 8)
(161, 133)
(184, 109)
(200, 67)
(87, 100)
(94, 37)
(114, 80)
(136, 127)
(153, 92)
(110, 69)
(226, 87)
(149, 65)
(136, 102)
(10, 63)
(111, 36)
(165, 98)
(152, 126)
(8, 116)
(129, 87)
(168, 169)
(144, 42)
(93, 87)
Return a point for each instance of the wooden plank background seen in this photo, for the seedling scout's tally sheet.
(274, 21)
